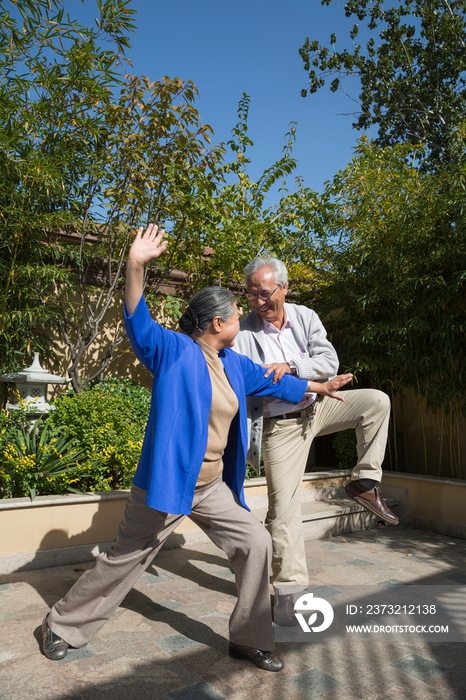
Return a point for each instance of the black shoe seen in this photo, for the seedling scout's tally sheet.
(53, 646)
(263, 659)
(283, 610)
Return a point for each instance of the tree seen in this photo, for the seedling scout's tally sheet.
(411, 70)
(88, 154)
(54, 75)
(396, 272)
(88, 150)
(152, 163)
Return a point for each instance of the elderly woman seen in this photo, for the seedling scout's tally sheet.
(192, 463)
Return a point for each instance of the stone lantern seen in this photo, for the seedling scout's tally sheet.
(31, 384)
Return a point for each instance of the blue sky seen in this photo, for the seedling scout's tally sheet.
(252, 46)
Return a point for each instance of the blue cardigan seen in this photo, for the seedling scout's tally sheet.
(175, 441)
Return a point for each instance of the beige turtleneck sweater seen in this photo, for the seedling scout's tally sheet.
(222, 411)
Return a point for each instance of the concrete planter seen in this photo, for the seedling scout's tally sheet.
(58, 530)
(433, 503)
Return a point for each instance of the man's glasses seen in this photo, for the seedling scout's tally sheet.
(262, 295)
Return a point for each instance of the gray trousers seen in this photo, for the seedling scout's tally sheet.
(216, 510)
(286, 444)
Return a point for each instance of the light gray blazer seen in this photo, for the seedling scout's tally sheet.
(317, 360)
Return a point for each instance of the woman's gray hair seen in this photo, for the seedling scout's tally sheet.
(279, 269)
(204, 306)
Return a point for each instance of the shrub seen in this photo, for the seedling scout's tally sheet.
(133, 394)
(10, 423)
(35, 462)
(108, 420)
(344, 444)
(251, 472)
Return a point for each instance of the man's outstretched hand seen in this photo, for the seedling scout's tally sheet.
(147, 246)
(331, 387)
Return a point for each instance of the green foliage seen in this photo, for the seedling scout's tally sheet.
(396, 270)
(33, 461)
(411, 71)
(92, 441)
(89, 153)
(10, 423)
(394, 219)
(109, 421)
(135, 396)
(54, 78)
(173, 307)
(152, 162)
(344, 444)
(251, 472)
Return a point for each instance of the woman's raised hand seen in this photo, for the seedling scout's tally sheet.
(147, 246)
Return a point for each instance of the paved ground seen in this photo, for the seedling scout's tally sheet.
(168, 640)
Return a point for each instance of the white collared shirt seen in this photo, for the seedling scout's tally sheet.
(280, 345)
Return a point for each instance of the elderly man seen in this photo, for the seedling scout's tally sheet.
(290, 339)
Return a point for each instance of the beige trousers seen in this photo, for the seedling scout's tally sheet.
(286, 444)
(98, 592)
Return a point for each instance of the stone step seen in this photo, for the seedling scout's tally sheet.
(329, 517)
(317, 510)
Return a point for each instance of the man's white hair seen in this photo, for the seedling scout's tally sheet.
(279, 269)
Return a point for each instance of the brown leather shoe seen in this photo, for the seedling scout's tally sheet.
(372, 500)
(263, 659)
(283, 610)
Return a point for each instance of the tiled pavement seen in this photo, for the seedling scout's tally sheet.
(168, 640)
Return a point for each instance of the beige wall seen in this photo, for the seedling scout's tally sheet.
(36, 528)
(437, 499)
(52, 522)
